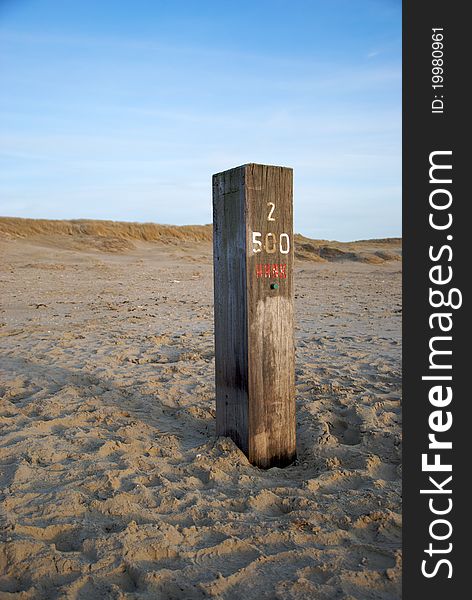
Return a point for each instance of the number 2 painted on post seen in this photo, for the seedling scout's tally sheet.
(270, 217)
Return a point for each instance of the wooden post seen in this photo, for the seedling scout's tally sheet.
(254, 346)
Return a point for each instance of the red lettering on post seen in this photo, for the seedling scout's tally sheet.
(271, 271)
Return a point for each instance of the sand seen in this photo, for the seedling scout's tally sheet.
(112, 482)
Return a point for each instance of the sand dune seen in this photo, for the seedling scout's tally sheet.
(112, 482)
(147, 232)
(114, 236)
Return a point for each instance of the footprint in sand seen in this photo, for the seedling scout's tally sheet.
(345, 432)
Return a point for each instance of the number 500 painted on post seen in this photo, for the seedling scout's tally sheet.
(270, 242)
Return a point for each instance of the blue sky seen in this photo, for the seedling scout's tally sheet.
(123, 109)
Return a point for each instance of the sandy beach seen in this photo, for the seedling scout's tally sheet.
(112, 482)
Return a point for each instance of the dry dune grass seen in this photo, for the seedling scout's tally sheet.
(146, 232)
(118, 236)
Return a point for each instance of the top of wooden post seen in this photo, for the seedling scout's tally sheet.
(250, 164)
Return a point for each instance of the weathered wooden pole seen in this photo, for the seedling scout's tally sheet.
(254, 345)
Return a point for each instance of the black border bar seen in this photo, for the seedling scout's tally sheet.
(425, 247)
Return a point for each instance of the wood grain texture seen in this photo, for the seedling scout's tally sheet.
(230, 308)
(254, 346)
(271, 352)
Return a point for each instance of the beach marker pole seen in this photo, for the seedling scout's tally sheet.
(253, 288)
